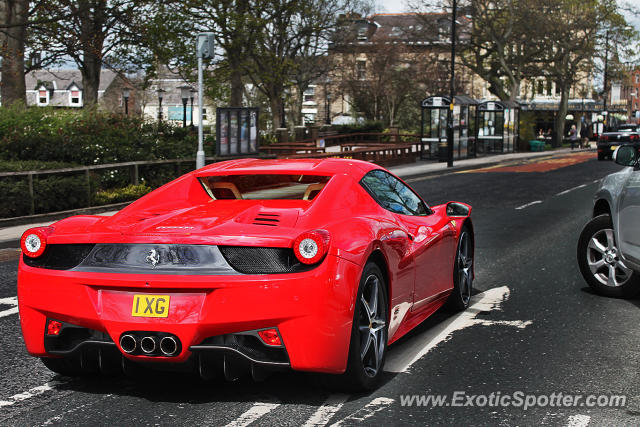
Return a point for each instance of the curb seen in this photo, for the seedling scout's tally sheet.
(52, 216)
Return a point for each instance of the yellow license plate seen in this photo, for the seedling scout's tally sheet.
(150, 305)
(613, 147)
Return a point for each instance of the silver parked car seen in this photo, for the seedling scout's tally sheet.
(609, 245)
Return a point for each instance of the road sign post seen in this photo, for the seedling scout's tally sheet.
(205, 47)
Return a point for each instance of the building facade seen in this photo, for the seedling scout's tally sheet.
(63, 89)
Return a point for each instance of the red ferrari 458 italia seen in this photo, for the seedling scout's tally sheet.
(246, 266)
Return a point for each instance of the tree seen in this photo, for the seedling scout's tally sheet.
(502, 44)
(17, 18)
(289, 30)
(13, 16)
(95, 33)
(575, 30)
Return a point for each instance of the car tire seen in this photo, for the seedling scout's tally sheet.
(600, 156)
(600, 263)
(65, 366)
(462, 273)
(370, 330)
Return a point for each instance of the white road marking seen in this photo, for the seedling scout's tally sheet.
(32, 392)
(328, 409)
(562, 193)
(578, 421)
(528, 204)
(258, 410)
(514, 323)
(403, 355)
(376, 405)
(9, 301)
(9, 312)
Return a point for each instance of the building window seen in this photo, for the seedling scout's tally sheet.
(637, 78)
(540, 87)
(75, 97)
(396, 31)
(361, 69)
(309, 94)
(362, 33)
(43, 96)
(204, 114)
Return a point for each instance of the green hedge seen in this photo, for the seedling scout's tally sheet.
(130, 192)
(45, 138)
(88, 137)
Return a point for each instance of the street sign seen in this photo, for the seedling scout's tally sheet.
(205, 45)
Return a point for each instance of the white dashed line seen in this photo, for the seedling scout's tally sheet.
(528, 204)
(32, 392)
(578, 421)
(376, 405)
(562, 193)
(402, 356)
(9, 301)
(253, 414)
(328, 409)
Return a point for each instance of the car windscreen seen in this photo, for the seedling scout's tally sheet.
(264, 186)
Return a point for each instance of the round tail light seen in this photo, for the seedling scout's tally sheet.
(34, 241)
(311, 246)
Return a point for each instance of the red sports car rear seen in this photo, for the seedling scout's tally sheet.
(246, 266)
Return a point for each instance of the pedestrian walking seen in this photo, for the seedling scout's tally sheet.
(573, 135)
(584, 135)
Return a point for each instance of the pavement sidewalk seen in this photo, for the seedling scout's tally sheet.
(10, 236)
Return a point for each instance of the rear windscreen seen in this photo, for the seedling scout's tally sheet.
(264, 187)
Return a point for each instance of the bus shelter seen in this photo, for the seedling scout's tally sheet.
(433, 134)
(497, 127)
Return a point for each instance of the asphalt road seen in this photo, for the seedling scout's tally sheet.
(534, 328)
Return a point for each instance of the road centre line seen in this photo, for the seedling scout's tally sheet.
(254, 413)
(528, 204)
(562, 193)
(328, 409)
(376, 405)
(578, 421)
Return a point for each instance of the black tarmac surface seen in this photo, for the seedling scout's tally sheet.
(552, 335)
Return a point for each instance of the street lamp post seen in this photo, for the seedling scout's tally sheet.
(160, 93)
(184, 94)
(451, 86)
(125, 94)
(328, 111)
(192, 92)
(606, 63)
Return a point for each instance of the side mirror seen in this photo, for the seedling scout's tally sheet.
(458, 209)
(625, 155)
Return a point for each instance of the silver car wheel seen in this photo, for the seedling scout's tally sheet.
(604, 260)
(371, 325)
(465, 267)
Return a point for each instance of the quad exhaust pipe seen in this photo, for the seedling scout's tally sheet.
(168, 346)
(128, 343)
(150, 345)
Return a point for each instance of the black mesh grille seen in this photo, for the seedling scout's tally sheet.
(60, 257)
(252, 260)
